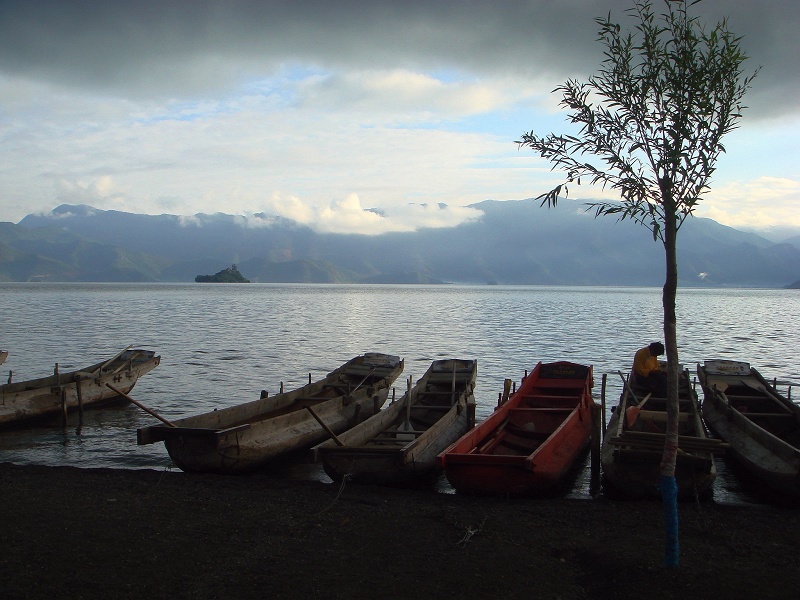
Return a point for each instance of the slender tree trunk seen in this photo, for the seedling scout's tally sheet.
(667, 481)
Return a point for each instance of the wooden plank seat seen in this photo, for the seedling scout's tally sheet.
(660, 416)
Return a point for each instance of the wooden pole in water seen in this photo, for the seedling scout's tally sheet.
(64, 404)
(140, 405)
(80, 398)
(594, 484)
(603, 399)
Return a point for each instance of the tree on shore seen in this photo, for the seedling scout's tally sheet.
(651, 123)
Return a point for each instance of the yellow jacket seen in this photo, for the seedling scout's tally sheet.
(644, 363)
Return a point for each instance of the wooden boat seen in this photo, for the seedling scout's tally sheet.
(399, 445)
(3, 356)
(531, 440)
(761, 426)
(634, 442)
(244, 437)
(63, 392)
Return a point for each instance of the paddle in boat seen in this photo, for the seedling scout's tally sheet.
(634, 442)
(399, 445)
(761, 425)
(88, 387)
(531, 440)
(244, 437)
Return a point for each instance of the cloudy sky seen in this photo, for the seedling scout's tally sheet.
(345, 115)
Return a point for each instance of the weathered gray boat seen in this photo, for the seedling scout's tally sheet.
(247, 436)
(399, 445)
(61, 393)
(761, 425)
(631, 451)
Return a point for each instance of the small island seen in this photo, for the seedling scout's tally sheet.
(229, 275)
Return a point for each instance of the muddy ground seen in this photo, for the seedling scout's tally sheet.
(101, 533)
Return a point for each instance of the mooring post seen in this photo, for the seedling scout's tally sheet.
(594, 484)
(64, 404)
(80, 398)
(603, 399)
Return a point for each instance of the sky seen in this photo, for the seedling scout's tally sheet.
(346, 116)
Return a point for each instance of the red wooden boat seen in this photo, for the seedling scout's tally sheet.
(531, 440)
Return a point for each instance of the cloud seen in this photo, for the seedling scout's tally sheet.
(166, 106)
(161, 49)
(349, 216)
(757, 203)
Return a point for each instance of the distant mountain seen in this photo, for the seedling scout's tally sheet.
(514, 242)
(794, 241)
(52, 254)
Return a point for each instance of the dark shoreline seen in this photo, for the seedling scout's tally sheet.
(105, 533)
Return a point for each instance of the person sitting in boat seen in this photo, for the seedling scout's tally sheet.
(647, 375)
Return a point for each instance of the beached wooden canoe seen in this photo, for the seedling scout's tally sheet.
(531, 440)
(85, 388)
(399, 445)
(634, 442)
(247, 436)
(761, 425)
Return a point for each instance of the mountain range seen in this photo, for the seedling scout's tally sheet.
(513, 242)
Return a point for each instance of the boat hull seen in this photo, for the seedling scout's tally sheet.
(761, 426)
(61, 393)
(383, 451)
(245, 437)
(531, 441)
(631, 453)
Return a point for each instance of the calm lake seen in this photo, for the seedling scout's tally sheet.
(222, 344)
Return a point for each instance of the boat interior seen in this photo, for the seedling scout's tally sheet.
(537, 413)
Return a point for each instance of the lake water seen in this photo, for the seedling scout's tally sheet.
(222, 344)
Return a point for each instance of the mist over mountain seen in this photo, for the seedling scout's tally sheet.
(514, 242)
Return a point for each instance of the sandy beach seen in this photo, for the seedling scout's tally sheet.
(102, 533)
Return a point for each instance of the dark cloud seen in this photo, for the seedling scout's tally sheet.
(170, 48)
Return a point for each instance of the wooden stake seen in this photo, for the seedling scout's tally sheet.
(80, 398)
(603, 400)
(594, 484)
(64, 404)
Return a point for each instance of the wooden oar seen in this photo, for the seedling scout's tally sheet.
(325, 427)
(633, 411)
(140, 405)
(628, 386)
